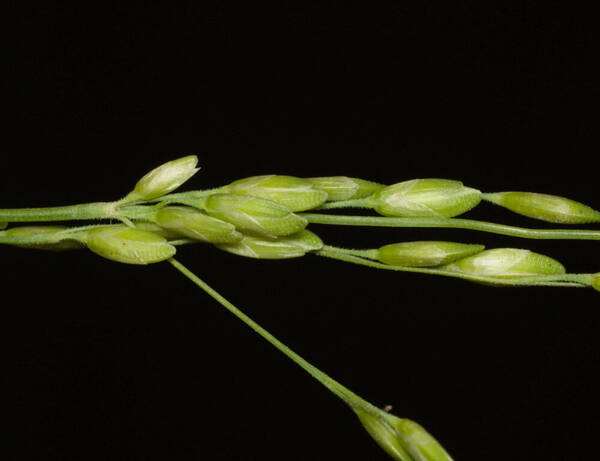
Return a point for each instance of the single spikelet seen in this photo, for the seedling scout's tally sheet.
(289, 246)
(163, 179)
(425, 198)
(402, 439)
(425, 253)
(507, 262)
(549, 208)
(64, 242)
(596, 282)
(195, 224)
(253, 215)
(296, 193)
(340, 188)
(128, 245)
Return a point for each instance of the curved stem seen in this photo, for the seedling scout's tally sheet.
(369, 254)
(563, 280)
(342, 392)
(380, 221)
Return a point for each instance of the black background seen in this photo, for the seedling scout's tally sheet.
(109, 361)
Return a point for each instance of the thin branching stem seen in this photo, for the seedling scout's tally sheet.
(456, 223)
(97, 210)
(342, 392)
(562, 280)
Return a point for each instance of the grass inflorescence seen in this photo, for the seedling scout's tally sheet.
(266, 217)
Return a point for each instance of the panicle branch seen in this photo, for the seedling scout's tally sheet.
(265, 217)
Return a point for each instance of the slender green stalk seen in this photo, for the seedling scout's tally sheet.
(112, 210)
(563, 280)
(369, 254)
(456, 223)
(400, 438)
(97, 210)
(342, 392)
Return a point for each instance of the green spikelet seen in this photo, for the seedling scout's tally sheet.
(596, 282)
(253, 215)
(128, 245)
(195, 224)
(425, 253)
(296, 193)
(66, 243)
(401, 438)
(508, 262)
(163, 179)
(345, 188)
(156, 229)
(549, 208)
(290, 246)
(425, 198)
